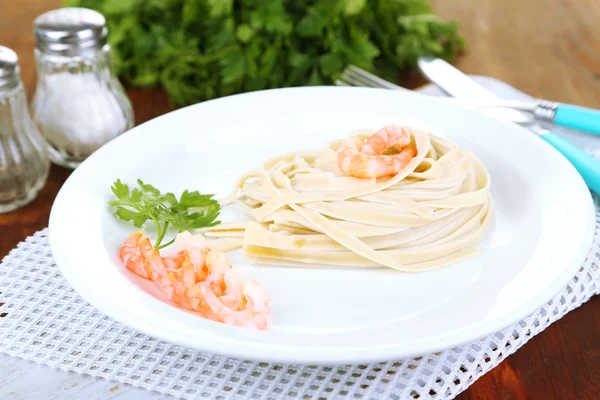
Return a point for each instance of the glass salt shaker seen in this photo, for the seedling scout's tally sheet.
(79, 104)
(24, 163)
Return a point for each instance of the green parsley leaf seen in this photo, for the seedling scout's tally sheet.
(353, 7)
(195, 199)
(244, 33)
(120, 190)
(138, 218)
(149, 189)
(192, 211)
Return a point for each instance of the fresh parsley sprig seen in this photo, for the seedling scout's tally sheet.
(147, 203)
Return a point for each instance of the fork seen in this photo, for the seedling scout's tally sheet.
(574, 117)
(354, 76)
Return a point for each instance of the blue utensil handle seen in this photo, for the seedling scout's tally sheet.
(580, 118)
(587, 165)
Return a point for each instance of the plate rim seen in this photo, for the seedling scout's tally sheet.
(366, 355)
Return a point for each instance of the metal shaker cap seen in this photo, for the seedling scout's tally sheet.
(70, 31)
(9, 69)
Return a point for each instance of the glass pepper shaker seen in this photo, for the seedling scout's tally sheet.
(79, 104)
(24, 162)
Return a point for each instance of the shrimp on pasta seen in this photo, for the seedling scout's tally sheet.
(367, 160)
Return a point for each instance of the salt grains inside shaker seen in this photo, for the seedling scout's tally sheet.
(24, 162)
(79, 104)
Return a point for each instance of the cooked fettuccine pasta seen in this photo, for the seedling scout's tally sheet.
(400, 198)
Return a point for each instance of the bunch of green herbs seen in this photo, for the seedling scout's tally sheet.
(202, 49)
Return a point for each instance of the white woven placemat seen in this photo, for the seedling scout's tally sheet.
(44, 320)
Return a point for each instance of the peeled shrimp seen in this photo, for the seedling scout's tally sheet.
(140, 257)
(366, 160)
(244, 302)
(201, 279)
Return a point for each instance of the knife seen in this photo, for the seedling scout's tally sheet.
(567, 115)
(459, 85)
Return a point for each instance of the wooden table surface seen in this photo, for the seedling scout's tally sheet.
(546, 48)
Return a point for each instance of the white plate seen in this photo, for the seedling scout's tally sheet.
(542, 231)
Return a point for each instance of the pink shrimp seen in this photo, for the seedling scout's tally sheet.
(141, 258)
(244, 302)
(366, 160)
(201, 279)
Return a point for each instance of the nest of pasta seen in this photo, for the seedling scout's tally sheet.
(305, 211)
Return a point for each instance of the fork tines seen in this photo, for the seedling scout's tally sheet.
(354, 76)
